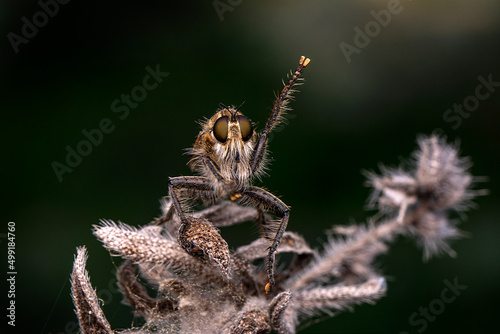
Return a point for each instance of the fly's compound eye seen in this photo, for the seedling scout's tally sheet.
(245, 128)
(220, 129)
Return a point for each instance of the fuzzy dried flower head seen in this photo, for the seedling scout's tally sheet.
(433, 230)
(211, 289)
(439, 181)
(439, 177)
(441, 174)
(394, 189)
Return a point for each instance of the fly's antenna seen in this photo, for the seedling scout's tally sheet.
(241, 105)
(222, 105)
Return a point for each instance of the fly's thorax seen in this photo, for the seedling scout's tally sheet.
(233, 160)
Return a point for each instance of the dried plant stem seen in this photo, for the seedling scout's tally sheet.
(339, 297)
(333, 261)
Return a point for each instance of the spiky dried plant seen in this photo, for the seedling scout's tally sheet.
(216, 290)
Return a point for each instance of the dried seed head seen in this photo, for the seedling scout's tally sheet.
(278, 318)
(202, 240)
(331, 299)
(441, 174)
(290, 242)
(394, 189)
(434, 230)
(140, 245)
(88, 311)
(149, 246)
(439, 177)
(251, 322)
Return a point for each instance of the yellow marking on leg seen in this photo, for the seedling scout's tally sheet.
(234, 197)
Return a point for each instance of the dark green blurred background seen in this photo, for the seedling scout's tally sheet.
(348, 117)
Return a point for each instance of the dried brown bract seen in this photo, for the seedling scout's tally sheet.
(202, 240)
(88, 311)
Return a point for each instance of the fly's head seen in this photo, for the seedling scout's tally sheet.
(228, 139)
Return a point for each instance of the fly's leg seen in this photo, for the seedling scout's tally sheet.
(266, 201)
(195, 187)
(279, 108)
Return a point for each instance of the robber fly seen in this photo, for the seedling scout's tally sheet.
(228, 154)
